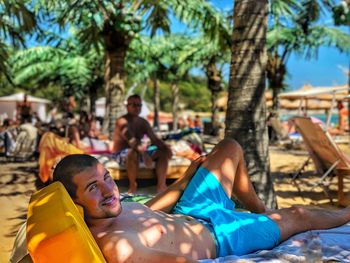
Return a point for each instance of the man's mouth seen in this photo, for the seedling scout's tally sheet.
(109, 201)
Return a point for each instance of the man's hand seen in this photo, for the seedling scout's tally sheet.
(166, 200)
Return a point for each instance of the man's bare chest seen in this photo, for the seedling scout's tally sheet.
(136, 129)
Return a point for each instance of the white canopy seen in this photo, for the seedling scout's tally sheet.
(316, 92)
(8, 105)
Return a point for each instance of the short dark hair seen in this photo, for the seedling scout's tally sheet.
(70, 166)
(134, 96)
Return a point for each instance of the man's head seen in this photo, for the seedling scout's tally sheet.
(340, 105)
(134, 105)
(90, 185)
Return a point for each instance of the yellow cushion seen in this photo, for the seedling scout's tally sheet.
(56, 231)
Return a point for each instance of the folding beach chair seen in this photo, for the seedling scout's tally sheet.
(21, 146)
(325, 153)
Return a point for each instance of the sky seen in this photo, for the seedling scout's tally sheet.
(326, 70)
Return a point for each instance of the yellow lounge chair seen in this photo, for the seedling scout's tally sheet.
(56, 231)
(325, 153)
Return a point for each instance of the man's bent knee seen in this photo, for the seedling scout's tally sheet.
(230, 146)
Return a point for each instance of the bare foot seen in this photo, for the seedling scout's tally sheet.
(161, 188)
(132, 188)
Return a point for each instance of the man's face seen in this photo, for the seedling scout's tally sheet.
(134, 106)
(97, 193)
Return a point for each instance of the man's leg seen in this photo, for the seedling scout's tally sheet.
(162, 162)
(132, 167)
(296, 219)
(226, 162)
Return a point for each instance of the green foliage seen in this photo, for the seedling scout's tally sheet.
(16, 20)
(295, 27)
(38, 67)
(341, 13)
(193, 93)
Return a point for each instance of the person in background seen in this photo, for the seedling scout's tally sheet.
(68, 106)
(342, 116)
(24, 110)
(128, 149)
(198, 123)
(190, 122)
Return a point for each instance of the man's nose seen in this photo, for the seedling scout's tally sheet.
(106, 189)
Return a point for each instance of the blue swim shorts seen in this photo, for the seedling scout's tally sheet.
(236, 232)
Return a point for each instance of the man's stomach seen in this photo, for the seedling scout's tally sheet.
(183, 235)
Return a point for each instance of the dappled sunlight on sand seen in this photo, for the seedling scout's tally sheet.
(284, 165)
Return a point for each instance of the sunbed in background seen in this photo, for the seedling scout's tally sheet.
(325, 153)
(23, 146)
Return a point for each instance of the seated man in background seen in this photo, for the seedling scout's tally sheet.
(203, 222)
(130, 129)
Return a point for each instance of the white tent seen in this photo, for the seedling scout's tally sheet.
(8, 105)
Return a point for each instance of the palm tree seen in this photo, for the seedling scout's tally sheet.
(144, 62)
(16, 20)
(246, 111)
(211, 56)
(175, 64)
(297, 33)
(115, 25)
(76, 72)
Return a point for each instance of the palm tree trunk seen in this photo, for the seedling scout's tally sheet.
(214, 111)
(214, 85)
(93, 98)
(116, 45)
(175, 102)
(246, 112)
(156, 102)
(276, 72)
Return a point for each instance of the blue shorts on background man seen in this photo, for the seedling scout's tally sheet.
(235, 232)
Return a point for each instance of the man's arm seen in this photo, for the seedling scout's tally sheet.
(118, 248)
(166, 200)
(122, 130)
(157, 142)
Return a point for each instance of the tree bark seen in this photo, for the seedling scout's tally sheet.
(175, 102)
(214, 85)
(246, 111)
(156, 102)
(276, 72)
(116, 45)
(93, 98)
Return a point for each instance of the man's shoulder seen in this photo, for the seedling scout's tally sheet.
(121, 119)
(142, 120)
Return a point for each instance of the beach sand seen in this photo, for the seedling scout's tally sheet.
(18, 181)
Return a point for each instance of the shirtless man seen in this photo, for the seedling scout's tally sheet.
(202, 224)
(129, 130)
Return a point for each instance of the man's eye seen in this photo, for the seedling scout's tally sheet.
(92, 187)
